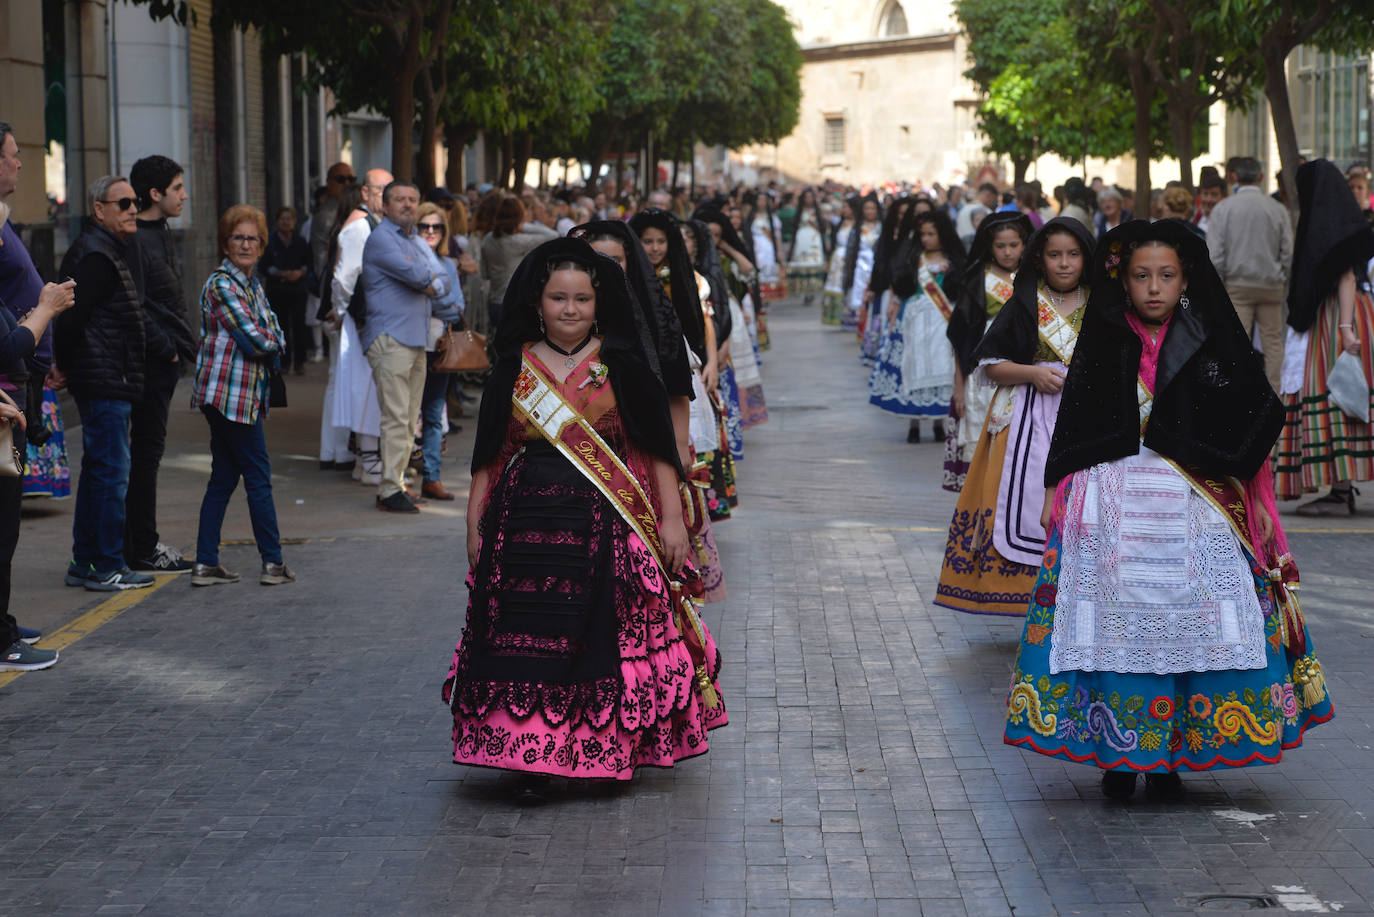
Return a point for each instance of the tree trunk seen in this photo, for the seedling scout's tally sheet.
(1143, 94)
(677, 161)
(1181, 128)
(507, 160)
(428, 171)
(402, 117)
(456, 139)
(1285, 131)
(622, 151)
(1019, 166)
(523, 146)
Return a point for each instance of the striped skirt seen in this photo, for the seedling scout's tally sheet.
(1320, 445)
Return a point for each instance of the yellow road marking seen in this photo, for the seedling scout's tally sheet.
(97, 617)
(931, 528)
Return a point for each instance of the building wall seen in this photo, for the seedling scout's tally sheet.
(200, 249)
(151, 87)
(21, 100)
(905, 105)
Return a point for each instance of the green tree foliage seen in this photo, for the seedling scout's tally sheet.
(997, 31)
(560, 77)
(1269, 30)
(1053, 85)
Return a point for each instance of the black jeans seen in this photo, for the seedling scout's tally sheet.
(289, 304)
(11, 498)
(147, 441)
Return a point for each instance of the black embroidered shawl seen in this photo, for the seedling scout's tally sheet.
(1333, 237)
(1213, 407)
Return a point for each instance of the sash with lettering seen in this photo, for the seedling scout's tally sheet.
(537, 401)
(931, 287)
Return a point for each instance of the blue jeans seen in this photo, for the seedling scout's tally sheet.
(237, 450)
(432, 404)
(98, 519)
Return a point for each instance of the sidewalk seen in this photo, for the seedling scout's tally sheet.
(311, 504)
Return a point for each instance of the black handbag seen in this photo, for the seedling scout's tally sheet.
(276, 389)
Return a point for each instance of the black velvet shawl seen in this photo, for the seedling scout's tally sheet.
(1213, 407)
(1333, 237)
(1015, 331)
(683, 282)
(707, 264)
(639, 393)
(970, 318)
(660, 332)
(889, 242)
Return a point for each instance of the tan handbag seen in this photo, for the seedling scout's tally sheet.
(11, 462)
(460, 351)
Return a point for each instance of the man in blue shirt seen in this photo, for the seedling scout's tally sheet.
(400, 273)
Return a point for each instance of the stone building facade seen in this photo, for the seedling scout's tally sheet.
(883, 95)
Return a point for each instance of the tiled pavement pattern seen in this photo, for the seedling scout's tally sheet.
(247, 751)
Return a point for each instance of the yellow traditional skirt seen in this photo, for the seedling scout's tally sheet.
(974, 577)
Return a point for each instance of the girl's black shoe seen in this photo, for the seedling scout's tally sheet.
(1170, 784)
(1118, 784)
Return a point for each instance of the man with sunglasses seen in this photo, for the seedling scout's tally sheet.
(100, 346)
(339, 177)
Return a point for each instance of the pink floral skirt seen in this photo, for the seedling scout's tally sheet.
(572, 663)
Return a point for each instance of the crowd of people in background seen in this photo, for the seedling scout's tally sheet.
(992, 319)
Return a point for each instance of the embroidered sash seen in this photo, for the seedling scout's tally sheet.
(537, 401)
(1055, 330)
(931, 288)
(996, 287)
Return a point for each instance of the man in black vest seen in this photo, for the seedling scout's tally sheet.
(100, 349)
(156, 269)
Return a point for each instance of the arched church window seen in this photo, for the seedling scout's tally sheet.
(894, 19)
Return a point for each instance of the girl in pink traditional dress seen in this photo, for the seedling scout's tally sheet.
(579, 657)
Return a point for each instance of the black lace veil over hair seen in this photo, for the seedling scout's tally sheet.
(639, 393)
(710, 213)
(970, 318)
(851, 246)
(907, 263)
(1015, 331)
(1213, 406)
(707, 264)
(683, 284)
(731, 237)
(1332, 238)
(661, 333)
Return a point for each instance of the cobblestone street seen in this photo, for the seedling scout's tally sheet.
(241, 750)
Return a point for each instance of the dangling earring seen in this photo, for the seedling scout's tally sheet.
(595, 328)
(1183, 301)
(540, 316)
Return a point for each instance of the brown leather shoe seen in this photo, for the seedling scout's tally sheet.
(436, 490)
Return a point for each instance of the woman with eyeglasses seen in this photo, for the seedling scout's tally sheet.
(432, 225)
(241, 342)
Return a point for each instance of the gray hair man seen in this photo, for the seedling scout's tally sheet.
(1250, 240)
(400, 274)
(101, 349)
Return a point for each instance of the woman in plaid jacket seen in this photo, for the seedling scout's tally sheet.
(240, 346)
